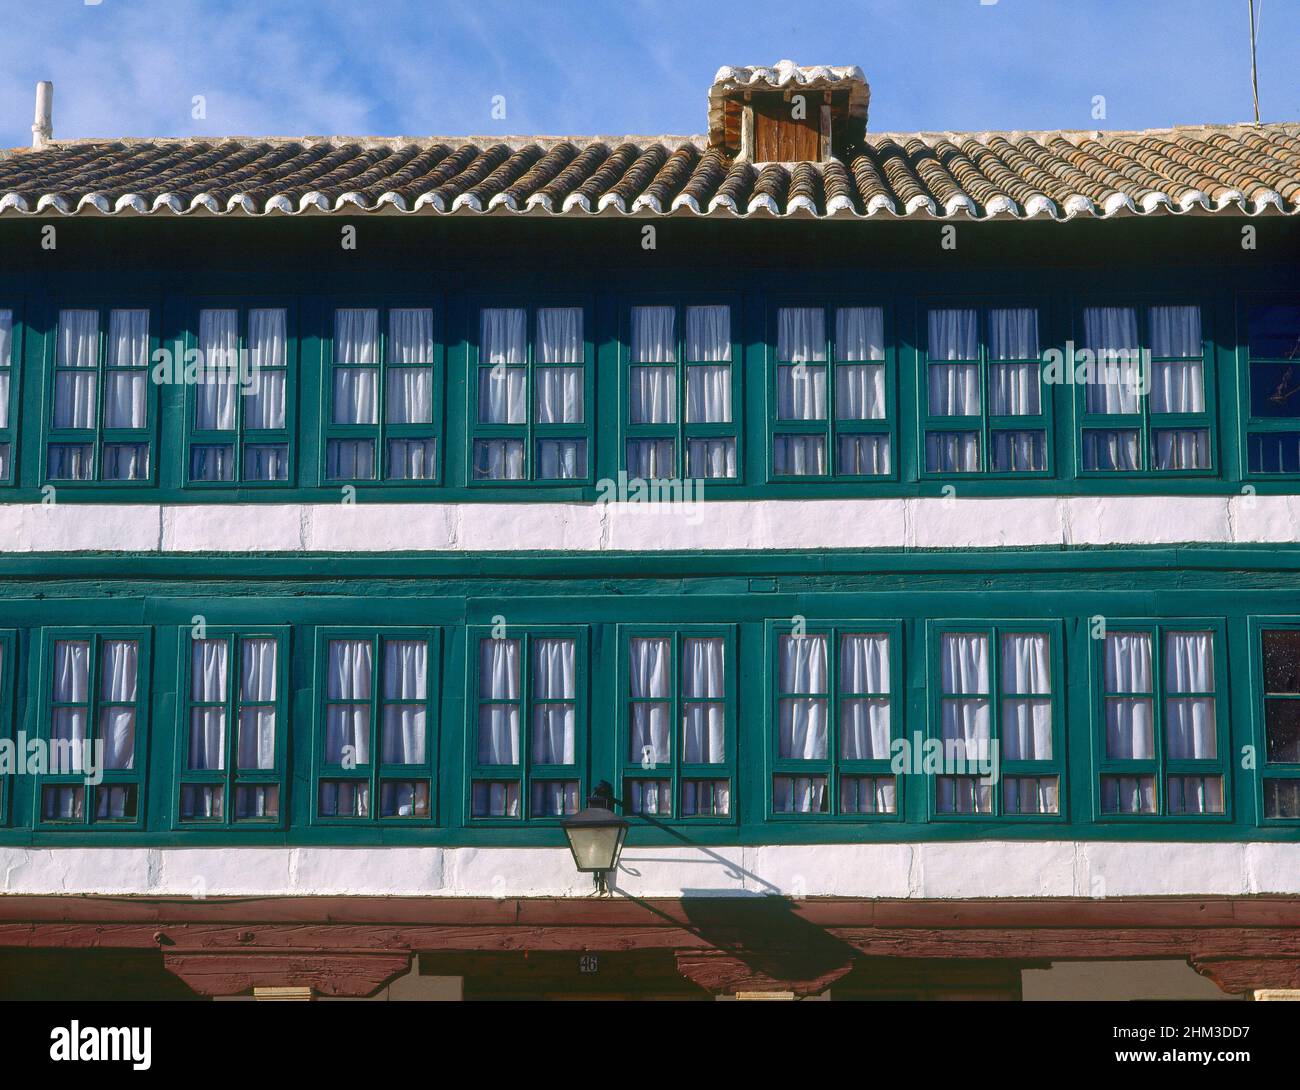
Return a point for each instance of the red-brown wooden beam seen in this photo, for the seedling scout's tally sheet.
(344, 946)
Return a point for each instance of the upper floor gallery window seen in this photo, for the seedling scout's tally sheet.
(678, 734)
(681, 407)
(1146, 412)
(985, 411)
(528, 733)
(834, 722)
(231, 769)
(239, 423)
(996, 692)
(1280, 651)
(96, 704)
(830, 406)
(533, 388)
(101, 397)
(1161, 750)
(381, 396)
(1273, 388)
(377, 747)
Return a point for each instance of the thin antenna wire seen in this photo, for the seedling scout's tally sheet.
(1254, 72)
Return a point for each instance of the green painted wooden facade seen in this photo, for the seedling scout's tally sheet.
(176, 267)
(602, 600)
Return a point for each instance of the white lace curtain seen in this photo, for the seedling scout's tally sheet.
(405, 694)
(703, 685)
(349, 673)
(801, 335)
(652, 390)
(799, 455)
(1130, 730)
(255, 748)
(410, 366)
(498, 724)
(554, 679)
(1026, 704)
(1177, 385)
(708, 334)
(703, 692)
(654, 335)
(1189, 720)
(215, 395)
(964, 668)
(954, 388)
(503, 394)
(650, 672)
(78, 347)
(864, 704)
(802, 669)
(118, 692)
(1112, 334)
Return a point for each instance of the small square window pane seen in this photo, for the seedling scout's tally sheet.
(799, 455)
(1114, 451)
(266, 462)
(212, 462)
(1128, 795)
(498, 459)
(350, 459)
(1182, 449)
(799, 795)
(862, 455)
(126, 461)
(1019, 451)
(711, 458)
(412, 459)
(952, 452)
(706, 798)
(494, 799)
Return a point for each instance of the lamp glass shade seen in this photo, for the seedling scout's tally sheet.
(596, 839)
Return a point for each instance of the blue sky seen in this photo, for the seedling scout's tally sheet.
(293, 67)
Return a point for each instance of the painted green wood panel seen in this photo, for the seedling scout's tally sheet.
(1237, 591)
(901, 268)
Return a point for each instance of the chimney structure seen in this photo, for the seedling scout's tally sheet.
(787, 113)
(43, 124)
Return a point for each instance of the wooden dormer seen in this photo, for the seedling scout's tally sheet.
(786, 113)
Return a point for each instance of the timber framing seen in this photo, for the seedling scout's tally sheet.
(353, 946)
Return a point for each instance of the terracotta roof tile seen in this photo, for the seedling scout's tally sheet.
(1060, 175)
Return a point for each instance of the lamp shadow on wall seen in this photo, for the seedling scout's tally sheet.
(759, 926)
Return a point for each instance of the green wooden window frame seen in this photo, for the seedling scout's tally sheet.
(844, 779)
(11, 371)
(830, 428)
(383, 434)
(1160, 768)
(102, 441)
(242, 439)
(1281, 428)
(487, 781)
(988, 428)
(1279, 772)
(8, 696)
(693, 790)
(118, 785)
(529, 432)
(1147, 423)
(681, 431)
(1007, 796)
(411, 786)
(230, 780)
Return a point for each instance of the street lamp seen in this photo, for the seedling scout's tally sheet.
(596, 835)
